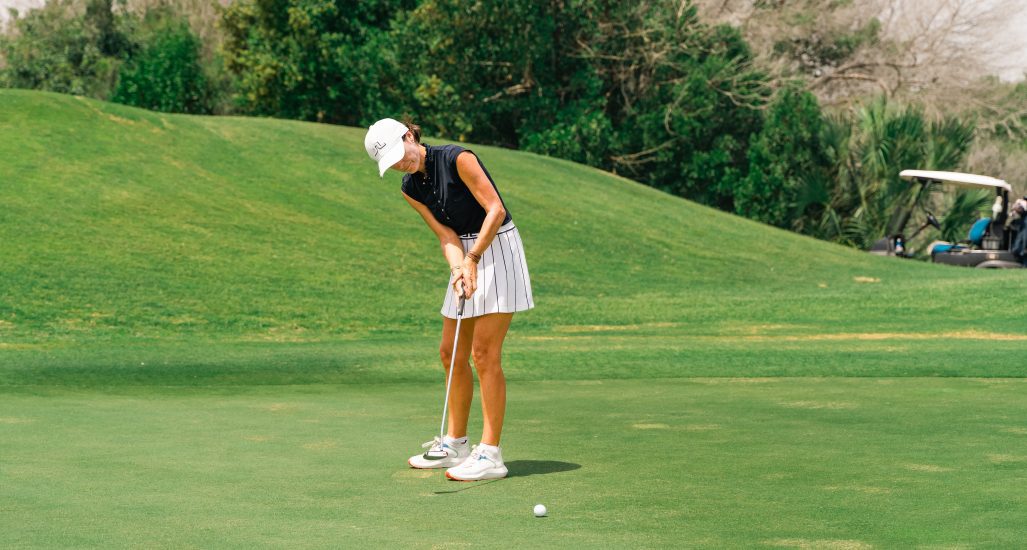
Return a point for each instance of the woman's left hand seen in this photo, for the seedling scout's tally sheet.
(470, 277)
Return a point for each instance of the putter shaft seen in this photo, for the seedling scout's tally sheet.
(452, 362)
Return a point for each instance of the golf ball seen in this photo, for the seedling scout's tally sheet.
(540, 510)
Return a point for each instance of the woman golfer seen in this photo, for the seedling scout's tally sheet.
(454, 193)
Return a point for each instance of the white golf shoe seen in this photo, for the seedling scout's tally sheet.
(484, 463)
(441, 453)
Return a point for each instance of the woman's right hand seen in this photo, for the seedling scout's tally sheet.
(456, 279)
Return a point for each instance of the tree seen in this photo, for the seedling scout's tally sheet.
(500, 71)
(644, 89)
(307, 59)
(143, 57)
(935, 53)
(683, 98)
(785, 159)
(867, 199)
(929, 51)
(167, 73)
(65, 46)
(110, 38)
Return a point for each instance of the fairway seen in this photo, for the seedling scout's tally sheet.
(192, 355)
(714, 462)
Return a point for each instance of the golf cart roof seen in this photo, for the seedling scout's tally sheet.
(954, 178)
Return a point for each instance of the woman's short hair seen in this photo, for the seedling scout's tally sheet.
(414, 129)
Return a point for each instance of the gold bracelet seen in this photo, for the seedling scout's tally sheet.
(474, 256)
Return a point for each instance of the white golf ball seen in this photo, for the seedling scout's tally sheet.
(540, 510)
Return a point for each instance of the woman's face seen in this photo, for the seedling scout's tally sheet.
(411, 161)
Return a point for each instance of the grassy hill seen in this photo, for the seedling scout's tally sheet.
(128, 229)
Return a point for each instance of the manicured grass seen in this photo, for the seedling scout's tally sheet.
(122, 224)
(697, 462)
(222, 332)
(551, 357)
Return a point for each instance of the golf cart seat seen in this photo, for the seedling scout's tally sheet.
(975, 237)
(989, 245)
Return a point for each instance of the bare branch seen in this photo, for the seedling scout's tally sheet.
(639, 158)
(923, 49)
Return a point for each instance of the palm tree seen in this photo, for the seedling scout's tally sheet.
(863, 198)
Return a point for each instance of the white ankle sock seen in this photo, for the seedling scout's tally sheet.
(490, 448)
(454, 440)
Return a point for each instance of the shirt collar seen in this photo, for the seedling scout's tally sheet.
(429, 165)
(429, 158)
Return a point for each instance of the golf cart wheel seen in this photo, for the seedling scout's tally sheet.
(998, 264)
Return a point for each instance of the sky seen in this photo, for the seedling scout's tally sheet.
(21, 5)
(1013, 38)
(1015, 35)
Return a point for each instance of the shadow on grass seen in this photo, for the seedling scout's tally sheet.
(523, 468)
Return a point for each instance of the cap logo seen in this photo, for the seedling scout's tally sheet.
(378, 146)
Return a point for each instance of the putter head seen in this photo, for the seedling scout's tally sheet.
(436, 455)
(434, 451)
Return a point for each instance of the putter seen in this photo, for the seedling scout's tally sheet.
(449, 380)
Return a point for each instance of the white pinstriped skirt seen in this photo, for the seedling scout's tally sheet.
(503, 282)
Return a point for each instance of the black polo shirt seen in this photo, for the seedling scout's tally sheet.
(445, 194)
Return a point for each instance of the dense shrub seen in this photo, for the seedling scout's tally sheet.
(167, 74)
(786, 162)
(94, 48)
(66, 46)
(312, 59)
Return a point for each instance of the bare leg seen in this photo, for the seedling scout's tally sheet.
(489, 333)
(462, 389)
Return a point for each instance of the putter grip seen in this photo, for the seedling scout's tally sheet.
(460, 307)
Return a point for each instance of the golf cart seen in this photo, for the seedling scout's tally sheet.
(991, 243)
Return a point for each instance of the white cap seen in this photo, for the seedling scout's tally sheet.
(384, 143)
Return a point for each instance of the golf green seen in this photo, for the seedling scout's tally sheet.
(699, 462)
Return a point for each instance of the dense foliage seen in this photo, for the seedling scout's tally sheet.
(864, 198)
(98, 49)
(166, 74)
(66, 47)
(644, 89)
(311, 59)
(786, 163)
